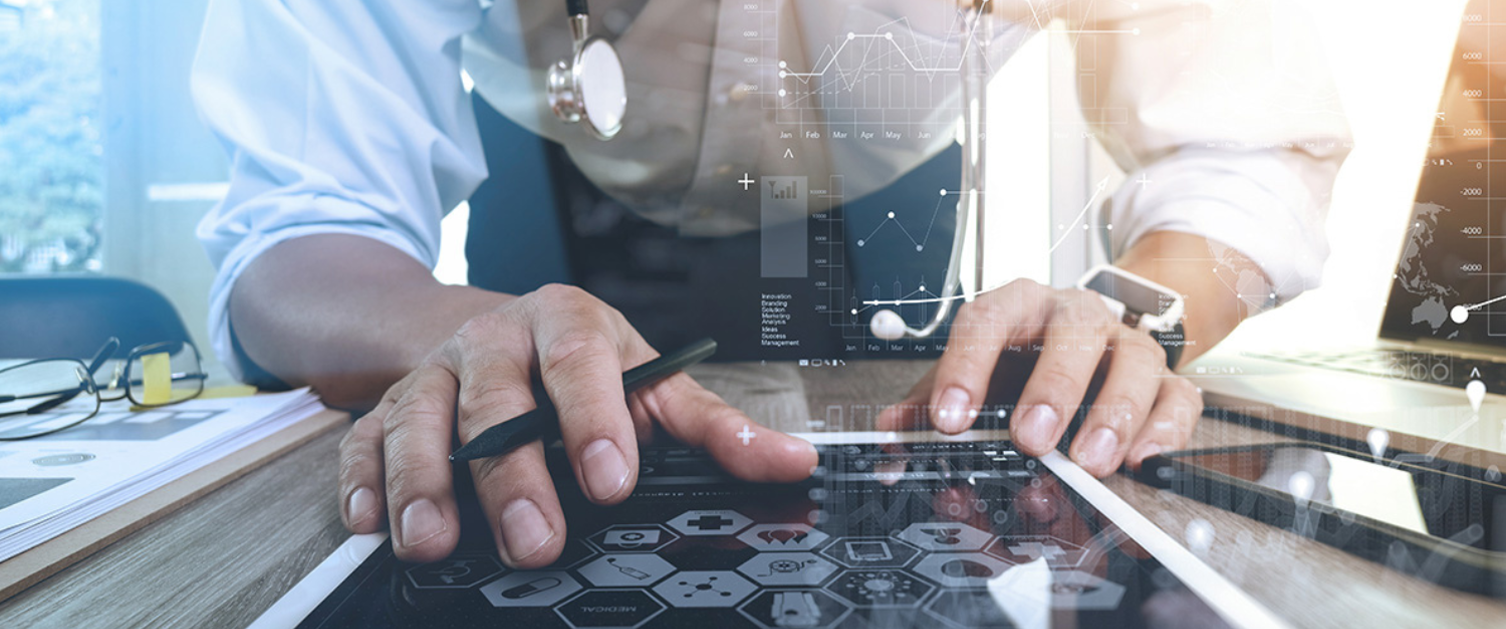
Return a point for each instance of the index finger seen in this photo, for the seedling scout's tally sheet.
(982, 329)
(700, 418)
(1076, 338)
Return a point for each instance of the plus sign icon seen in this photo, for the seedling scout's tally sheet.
(1020, 549)
(710, 522)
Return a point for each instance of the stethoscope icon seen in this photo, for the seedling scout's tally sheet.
(588, 87)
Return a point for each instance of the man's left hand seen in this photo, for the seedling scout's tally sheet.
(1141, 408)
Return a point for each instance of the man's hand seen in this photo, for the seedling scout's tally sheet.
(1141, 408)
(394, 466)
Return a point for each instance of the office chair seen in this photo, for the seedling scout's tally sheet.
(46, 317)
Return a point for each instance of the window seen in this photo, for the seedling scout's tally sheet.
(51, 154)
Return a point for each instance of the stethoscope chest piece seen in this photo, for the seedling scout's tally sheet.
(589, 87)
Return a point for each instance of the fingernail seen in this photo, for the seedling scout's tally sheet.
(1099, 449)
(1145, 451)
(524, 529)
(951, 413)
(604, 467)
(1036, 428)
(796, 444)
(421, 522)
(360, 505)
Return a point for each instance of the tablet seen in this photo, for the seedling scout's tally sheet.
(888, 532)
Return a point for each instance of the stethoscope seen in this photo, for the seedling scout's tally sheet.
(588, 86)
(958, 285)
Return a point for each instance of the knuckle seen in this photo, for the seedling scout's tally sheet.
(414, 407)
(1056, 381)
(493, 393)
(1143, 347)
(577, 344)
(487, 325)
(405, 457)
(564, 295)
(1024, 285)
(356, 460)
(485, 469)
(488, 394)
(408, 474)
(1074, 312)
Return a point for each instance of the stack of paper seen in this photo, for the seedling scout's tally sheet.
(51, 484)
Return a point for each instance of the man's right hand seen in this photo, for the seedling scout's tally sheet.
(394, 465)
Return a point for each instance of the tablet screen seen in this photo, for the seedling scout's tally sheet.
(955, 534)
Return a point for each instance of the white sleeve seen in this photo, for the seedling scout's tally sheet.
(339, 116)
(1228, 120)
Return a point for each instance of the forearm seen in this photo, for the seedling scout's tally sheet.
(346, 315)
(1184, 263)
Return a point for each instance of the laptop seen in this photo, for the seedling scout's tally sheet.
(1444, 324)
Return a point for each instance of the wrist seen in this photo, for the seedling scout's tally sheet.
(1142, 304)
(1184, 263)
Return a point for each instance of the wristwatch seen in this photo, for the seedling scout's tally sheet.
(1142, 305)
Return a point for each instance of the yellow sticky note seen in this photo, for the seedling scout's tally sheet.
(156, 379)
(227, 391)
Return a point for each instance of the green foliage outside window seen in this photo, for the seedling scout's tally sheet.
(51, 156)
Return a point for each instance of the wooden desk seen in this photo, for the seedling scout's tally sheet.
(222, 560)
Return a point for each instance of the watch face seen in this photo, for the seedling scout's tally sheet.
(1136, 296)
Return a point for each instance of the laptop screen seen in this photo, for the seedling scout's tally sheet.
(1450, 281)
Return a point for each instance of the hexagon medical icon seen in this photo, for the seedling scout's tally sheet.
(946, 536)
(787, 569)
(710, 522)
(779, 537)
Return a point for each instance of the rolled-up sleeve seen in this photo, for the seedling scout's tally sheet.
(1228, 121)
(339, 118)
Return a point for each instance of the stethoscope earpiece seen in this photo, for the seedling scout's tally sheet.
(589, 86)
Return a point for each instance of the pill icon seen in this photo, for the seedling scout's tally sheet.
(531, 588)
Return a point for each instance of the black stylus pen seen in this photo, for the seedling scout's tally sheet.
(543, 422)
